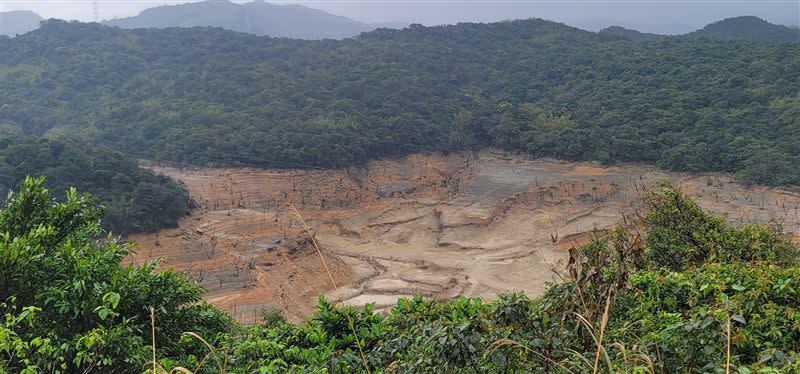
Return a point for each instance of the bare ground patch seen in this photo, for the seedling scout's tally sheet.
(432, 225)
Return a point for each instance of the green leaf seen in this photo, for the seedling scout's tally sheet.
(112, 298)
(102, 312)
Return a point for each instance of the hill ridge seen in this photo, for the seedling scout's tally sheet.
(17, 22)
(256, 17)
(749, 28)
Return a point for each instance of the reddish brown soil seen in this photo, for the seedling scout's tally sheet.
(437, 226)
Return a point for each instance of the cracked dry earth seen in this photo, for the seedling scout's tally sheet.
(437, 226)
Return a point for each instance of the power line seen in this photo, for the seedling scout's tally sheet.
(95, 11)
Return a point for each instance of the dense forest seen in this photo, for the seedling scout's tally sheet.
(214, 97)
(135, 199)
(676, 291)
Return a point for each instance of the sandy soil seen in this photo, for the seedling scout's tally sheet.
(432, 225)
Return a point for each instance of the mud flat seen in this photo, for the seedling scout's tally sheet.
(442, 227)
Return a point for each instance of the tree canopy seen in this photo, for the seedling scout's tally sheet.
(748, 28)
(135, 199)
(69, 305)
(214, 97)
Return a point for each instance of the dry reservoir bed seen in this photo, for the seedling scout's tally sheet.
(438, 226)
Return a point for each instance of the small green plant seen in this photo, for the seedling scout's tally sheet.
(271, 317)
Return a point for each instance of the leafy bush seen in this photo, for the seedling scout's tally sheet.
(733, 303)
(680, 316)
(681, 234)
(69, 305)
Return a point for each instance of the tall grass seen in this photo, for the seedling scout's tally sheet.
(333, 282)
(212, 352)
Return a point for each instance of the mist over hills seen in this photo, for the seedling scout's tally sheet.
(296, 21)
(18, 22)
(257, 17)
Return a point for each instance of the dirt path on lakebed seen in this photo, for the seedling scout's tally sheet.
(438, 226)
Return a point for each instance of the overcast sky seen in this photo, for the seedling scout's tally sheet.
(651, 16)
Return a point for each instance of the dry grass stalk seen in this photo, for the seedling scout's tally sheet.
(728, 345)
(603, 323)
(158, 369)
(333, 282)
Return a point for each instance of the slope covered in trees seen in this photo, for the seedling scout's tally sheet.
(748, 28)
(743, 28)
(209, 96)
(136, 199)
(677, 291)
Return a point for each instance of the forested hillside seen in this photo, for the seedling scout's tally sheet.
(748, 28)
(676, 291)
(209, 96)
(135, 199)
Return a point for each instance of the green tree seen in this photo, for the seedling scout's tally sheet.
(68, 300)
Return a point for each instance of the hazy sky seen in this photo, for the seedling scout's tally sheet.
(652, 16)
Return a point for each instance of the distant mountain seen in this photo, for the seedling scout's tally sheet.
(618, 32)
(745, 28)
(257, 17)
(390, 25)
(748, 28)
(657, 28)
(18, 22)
